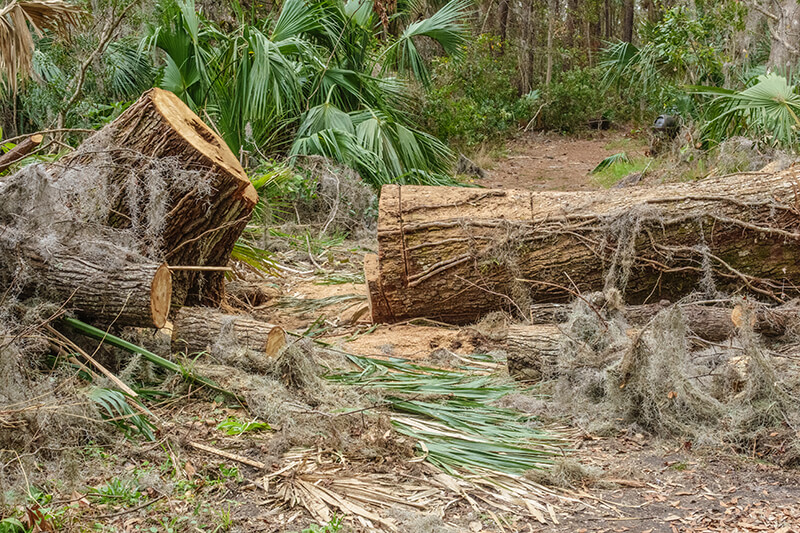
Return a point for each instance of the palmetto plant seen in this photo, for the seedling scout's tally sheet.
(315, 81)
(19, 21)
(768, 110)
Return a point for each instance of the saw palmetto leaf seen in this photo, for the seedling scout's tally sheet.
(19, 22)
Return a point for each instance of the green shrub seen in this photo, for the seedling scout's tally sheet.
(573, 99)
(477, 98)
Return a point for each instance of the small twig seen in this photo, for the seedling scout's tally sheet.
(228, 455)
(201, 268)
(44, 132)
(128, 511)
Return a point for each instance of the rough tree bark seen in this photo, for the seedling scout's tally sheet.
(200, 329)
(131, 295)
(784, 23)
(454, 254)
(627, 23)
(19, 152)
(201, 227)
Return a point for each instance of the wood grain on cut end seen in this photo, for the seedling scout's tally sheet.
(161, 295)
(276, 340)
(202, 138)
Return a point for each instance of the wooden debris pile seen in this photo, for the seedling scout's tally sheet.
(136, 223)
(684, 297)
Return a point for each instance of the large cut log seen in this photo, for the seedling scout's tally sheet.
(134, 294)
(20, 151)
(454, 254)
(175, 181)
(709, 323)
(201, 329)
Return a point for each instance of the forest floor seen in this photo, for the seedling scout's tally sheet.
(653, 485)
(631, 482)
(547, 161)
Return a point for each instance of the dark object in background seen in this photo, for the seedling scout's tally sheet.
(665, 129)
(667, 124)
(601, 123)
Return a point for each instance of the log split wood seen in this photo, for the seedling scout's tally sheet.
(710, 323)
(200, 228)
(199, 329)
(19, 152)
(533, 348)
(455, 254)
(136, 295)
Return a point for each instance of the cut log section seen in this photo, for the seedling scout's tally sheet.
(713, 324)
(136, 295)
(20, 151)
(200, 329)
(531, 349)
(455, 254)
(203, 219)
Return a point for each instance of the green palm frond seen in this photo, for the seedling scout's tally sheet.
(446, 27)
(116, 410)
(769, 110)
(296, 18)
(611, 160)
(128, 68)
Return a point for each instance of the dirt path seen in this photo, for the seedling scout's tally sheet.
(548, 161)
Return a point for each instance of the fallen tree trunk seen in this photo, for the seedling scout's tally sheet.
(709, 323)
(135, 294)
(200, 329)
(174, 182)
(19, 152)
(454, 254)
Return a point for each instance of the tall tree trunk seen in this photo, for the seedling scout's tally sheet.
(785, 34)
(627, 24)
(455, 254)
(502, 15)
(572, 22)
(551, 27)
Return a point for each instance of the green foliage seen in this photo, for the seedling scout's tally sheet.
(768, 111)
(234, 426)
(574, 98)
(684, 47)
(116, 410)
(333, 526)
(116, 492)
(620, 169)
(614, 159)
(304, 84)
(476, 98)
(12, 525)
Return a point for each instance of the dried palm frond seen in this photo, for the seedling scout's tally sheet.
(19, 20)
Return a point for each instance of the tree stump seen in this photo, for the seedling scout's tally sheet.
(169, 177)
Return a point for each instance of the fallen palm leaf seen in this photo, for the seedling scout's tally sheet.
(104, 336)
